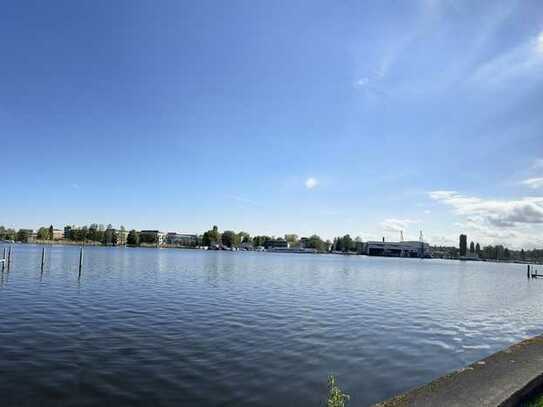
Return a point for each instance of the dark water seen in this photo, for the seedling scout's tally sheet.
(180, 327)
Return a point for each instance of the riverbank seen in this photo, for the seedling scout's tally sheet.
(507, 378)
(293, 250)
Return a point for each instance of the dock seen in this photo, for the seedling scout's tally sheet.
(533, 273)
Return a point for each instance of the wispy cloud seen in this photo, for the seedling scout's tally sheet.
(538, 163)
(311, 183)
(498, 213)
(525, 60)
(396, 225)
(533, 183)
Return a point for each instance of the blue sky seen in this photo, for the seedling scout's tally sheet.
(276, 117)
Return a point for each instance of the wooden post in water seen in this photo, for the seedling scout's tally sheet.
(42, 257)
(9, 257)
(80, 261)
(528, 271)
(4, 260)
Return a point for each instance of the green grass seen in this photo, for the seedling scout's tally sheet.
(535, 402)
(336, 397)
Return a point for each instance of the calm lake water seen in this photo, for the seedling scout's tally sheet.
(187, 327)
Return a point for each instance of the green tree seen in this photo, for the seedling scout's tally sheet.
(133, 238)
(292, 239)
(478, 249)
(110, 238)
(211, 237)
(22, 235)
(43, 234)
(10, 234)
(51, 234)
(229, 239)
(348, 244)
(114, 237)
(244, 237)
(80, 234)
(260, 240)
(315, 242)
(92, 233)
(472, 248)
(338, 244)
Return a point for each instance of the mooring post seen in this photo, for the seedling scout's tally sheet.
(4, 260)
(42, 257)
(80, 261)
(528, 271)
(9, 257)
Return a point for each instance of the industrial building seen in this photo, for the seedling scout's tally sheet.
(397, 249)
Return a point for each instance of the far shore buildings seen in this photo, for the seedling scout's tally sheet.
(276, 243)
(181, 239)
(58, 234)
(152, 236)
(26, 235)
(397, 249)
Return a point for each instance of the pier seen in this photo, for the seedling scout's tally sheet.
(533, 273)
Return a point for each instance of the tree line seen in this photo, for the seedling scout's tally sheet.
(493, 252)
(347, 244)
(108, 236)
(93, 233)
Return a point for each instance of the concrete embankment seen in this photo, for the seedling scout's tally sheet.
(504, 379)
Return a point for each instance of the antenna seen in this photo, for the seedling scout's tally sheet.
(401, 235)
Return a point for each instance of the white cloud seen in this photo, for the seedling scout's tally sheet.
(311, 183)
(498, 213)
(524, 60)
(396, 225)
(517, 223)
(533, 183)
(360, 83)
(538, 163)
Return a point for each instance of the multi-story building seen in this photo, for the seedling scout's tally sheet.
(275, 243)
(152, 236)
(463, 245)
(181, 239)
(58, 234)
(397, 249)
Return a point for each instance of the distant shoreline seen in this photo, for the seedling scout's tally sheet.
(91, 243)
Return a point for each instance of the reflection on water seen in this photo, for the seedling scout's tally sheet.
(181, 327)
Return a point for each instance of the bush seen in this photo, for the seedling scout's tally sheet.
(336, 397)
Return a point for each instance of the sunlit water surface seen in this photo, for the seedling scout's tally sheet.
(187, 327)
